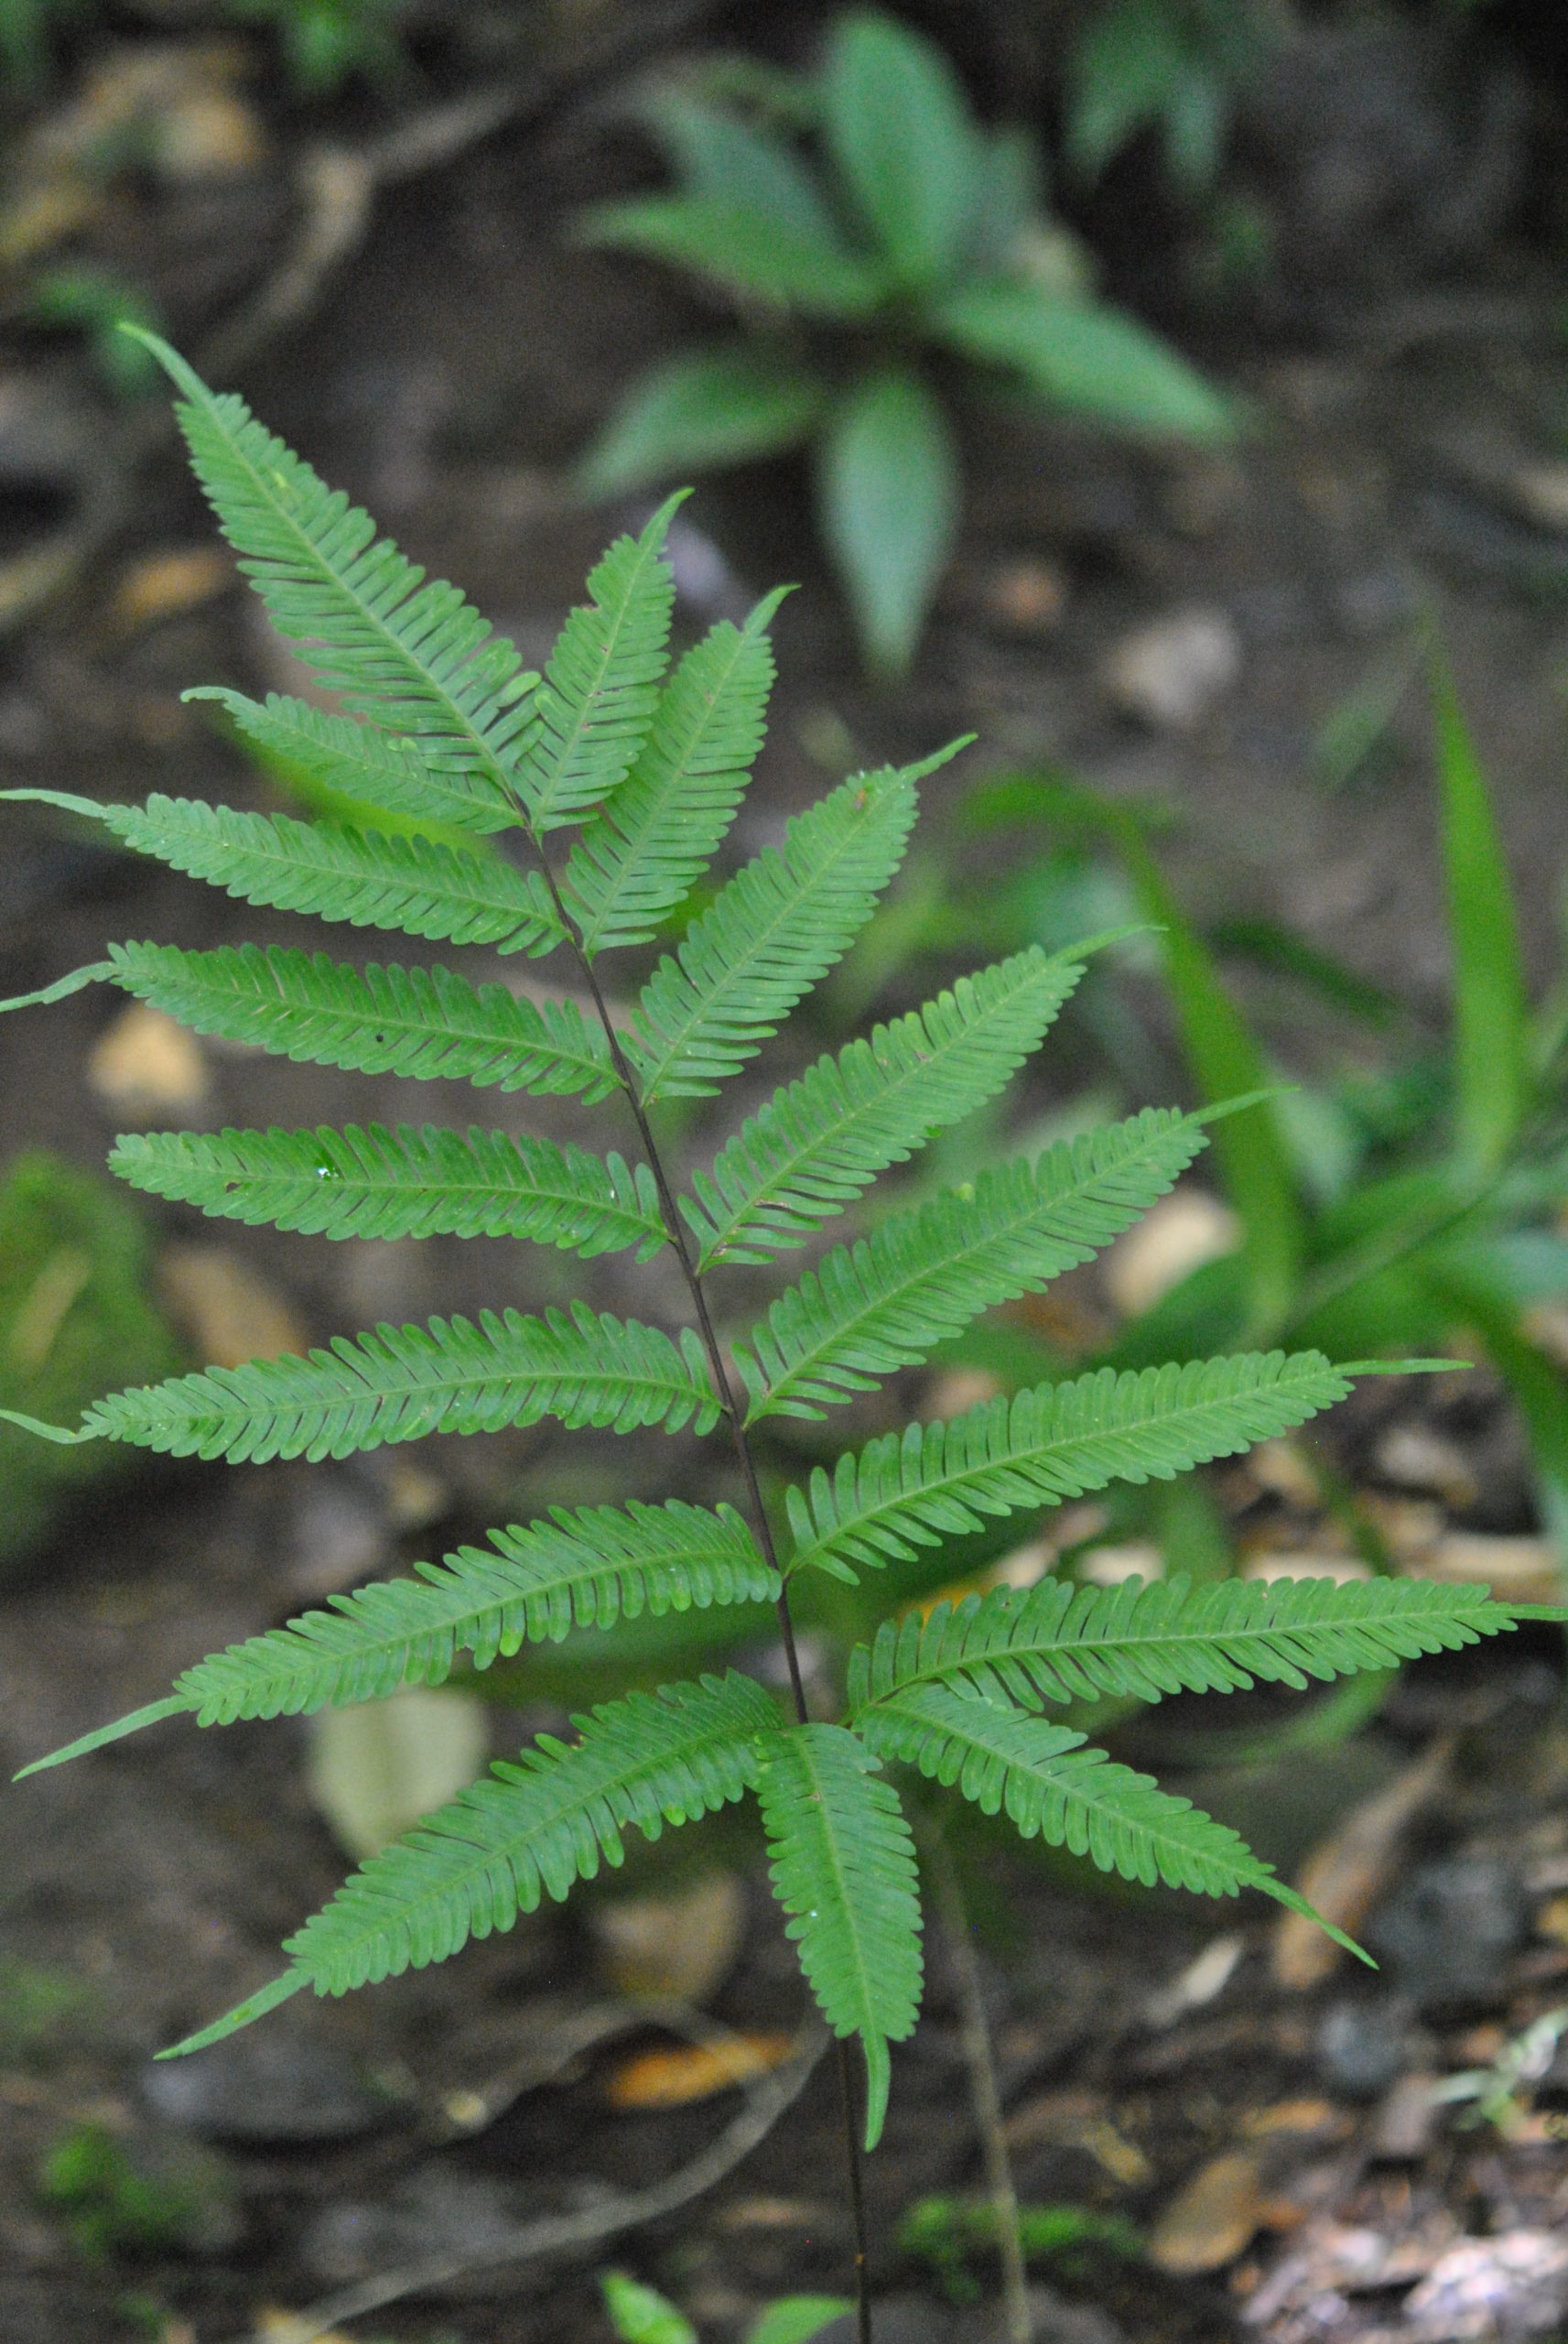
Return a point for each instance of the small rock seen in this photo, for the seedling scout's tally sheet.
(1518, 1570)
(1169, 674)
(1178, 1235)
(375, 1769)
(145, 1064)
(1365, 2043)
(684, 1945)
(1406, 2122)
(263, 2088)
(1413, 1457)
(1109, 1566)
(228, 1311)
(434, 2213)
(1540, 492)
(1212, 2219)
(339, 1535)
(1448, 1931)
(1023, 596)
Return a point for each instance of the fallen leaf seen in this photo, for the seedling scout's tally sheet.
(375, 1769)
(228, 1311)
(1077, 2120)
(163, 585)
(684, 1945)
(144, 1064)
(671, 2077)
(1518, 1570)
(1213, 2219)
(1178, 1235)
(1306, 2115)
(1348, 1872)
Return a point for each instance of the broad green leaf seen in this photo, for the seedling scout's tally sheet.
(641, 2314)
(1121, 71)
(1086, 357)
(796, 2319)
(701, 409)
(717, 154)
(1490, 1010)
(887, 493)
(899, 127)
(748, 254)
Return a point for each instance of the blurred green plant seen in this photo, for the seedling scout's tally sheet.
(96, 304)
(1499, 2095)
(639, 2315)
(74, 1315)
(325, 43)
(899, 249)
(948, 2233)
(1174, 68)
(122, 2196)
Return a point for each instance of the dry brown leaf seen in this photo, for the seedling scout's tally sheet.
(163, 585)
(683, 1945)
(228, 1311)
(1077, 2119)
(1213, 2219)
(673, 2076)
(1348, 1872)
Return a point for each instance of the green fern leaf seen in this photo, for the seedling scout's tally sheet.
(1060, 1642)
(843, 1865)
(778, 925)
(638, 859)
(380, 1021)
(407, 651)
(528, 1830)
(819, 1144)
(584, 1569)
(602, 685)
(366, 878)
(403, 1183)
(357, 761)
(400, 1384)
(936, 1482)
(1051, 1787)
(884, 1303)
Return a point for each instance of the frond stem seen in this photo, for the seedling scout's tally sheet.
(760, 1522)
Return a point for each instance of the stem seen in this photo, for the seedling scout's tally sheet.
(760, 1522)
(983, 2092)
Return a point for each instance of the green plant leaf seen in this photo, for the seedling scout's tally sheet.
(936, 1482)
(641, 2314)
(602, 685)
(368, 879)
(404, 1183)
(641, 856)
(1086, 357)
(796, 2319)
(407, 652)
(527, 1831)
(1122, 70)
(415, 1022)
(1490, 1007)
(843, 1867)
(898, 125)
(702, 410)
(1053, 1788)
(819, 1143)
(747, 253)
(766, 940)
(921, 1275)
(717, 155)
(888, 491)
(400, 1384)
(1056, 1641)
(594, 1568)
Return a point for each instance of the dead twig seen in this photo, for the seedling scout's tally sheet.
(767, 2098)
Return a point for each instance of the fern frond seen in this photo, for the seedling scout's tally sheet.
(584, 1569)
(1051, 1787)
(357, 761)
(528, 1830)
(401, 1383)
(639, 857)
(601, 684)
(777, 927)
(819, 1143)
(404, 1183)
(415, 1022)
(919, 1278)
(1060, 1642)
(935, 1482)
(408, 653)
(843, 1866)
(363, 877)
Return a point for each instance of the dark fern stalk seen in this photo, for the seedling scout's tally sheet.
(647, 764)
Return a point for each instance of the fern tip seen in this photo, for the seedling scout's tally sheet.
(59, 1434)
(1402, 1366)
(255, 2006)
(172, 1705)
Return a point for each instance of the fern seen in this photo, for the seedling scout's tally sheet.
(888, 1301)
(817, 1144)
(405, 1183)
(366, 878)
(843, 1867)
(443, 733)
